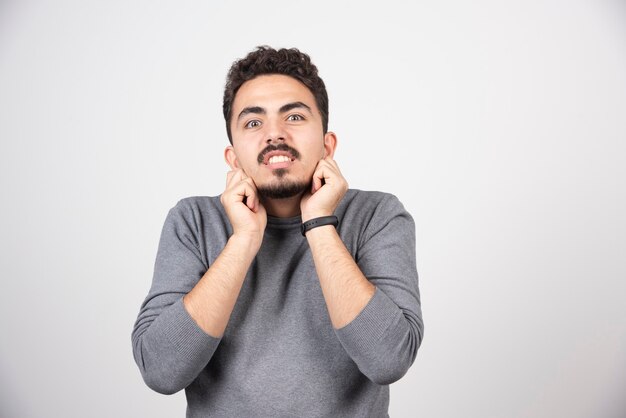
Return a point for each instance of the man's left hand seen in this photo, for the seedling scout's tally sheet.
(328, 188)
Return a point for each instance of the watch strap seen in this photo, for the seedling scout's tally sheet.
(321, 221)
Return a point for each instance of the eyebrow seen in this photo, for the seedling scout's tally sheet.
(261, 111)
(251, 109)
(294, 105)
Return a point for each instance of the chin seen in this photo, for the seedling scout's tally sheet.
(283, 189)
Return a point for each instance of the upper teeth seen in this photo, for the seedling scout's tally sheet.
(278, 159)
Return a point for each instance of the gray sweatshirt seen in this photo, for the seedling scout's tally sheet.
(280, 355)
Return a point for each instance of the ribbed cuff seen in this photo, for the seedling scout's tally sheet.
(185, 334)
(369, 326)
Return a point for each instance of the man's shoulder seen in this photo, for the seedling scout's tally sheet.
(200, 206)
(364, 205)
(199, 201)
(368, 199)
(362, 214)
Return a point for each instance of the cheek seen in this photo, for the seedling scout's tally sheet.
(320, 151)
(245, 160)
(247, 164)
(314, 157)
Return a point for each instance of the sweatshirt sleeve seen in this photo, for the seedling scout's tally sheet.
(384, 338)
(169, 348)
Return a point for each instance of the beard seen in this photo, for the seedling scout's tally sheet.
(279, 187)
(283, 189)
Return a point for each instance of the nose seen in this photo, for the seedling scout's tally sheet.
(275, 140)
(275, 133)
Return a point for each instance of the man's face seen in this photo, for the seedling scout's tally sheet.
(277, 135)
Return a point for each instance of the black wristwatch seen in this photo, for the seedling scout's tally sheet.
(321, 221)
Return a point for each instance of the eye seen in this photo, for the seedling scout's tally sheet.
(295, 117)
(254, 123)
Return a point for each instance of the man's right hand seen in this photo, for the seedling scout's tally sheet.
(211, 301)
(243, 207)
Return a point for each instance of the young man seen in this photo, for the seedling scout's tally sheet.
(289, 294)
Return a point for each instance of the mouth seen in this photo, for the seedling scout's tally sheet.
(278, 159)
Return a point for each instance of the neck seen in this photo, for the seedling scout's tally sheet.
(283, 208)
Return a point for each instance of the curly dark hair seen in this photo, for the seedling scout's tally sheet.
(267, 60)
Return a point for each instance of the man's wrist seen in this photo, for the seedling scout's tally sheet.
(320, 232)
(318, 222)
(312, 215)
(248, 243)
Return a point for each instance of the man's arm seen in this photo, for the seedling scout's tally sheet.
(373, 302)
(186, 312)
(345, 288)
(212, 300)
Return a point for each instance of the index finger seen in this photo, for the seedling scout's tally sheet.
(235, 176)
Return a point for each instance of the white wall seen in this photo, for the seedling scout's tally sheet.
(501, 125)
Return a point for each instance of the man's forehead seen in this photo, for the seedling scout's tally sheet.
(273, 90)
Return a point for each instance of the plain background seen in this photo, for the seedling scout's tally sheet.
(501, 126)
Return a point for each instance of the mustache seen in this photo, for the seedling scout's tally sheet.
(279, 147)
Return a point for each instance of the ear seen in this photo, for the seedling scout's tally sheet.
(231, 157)
(330, 143)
